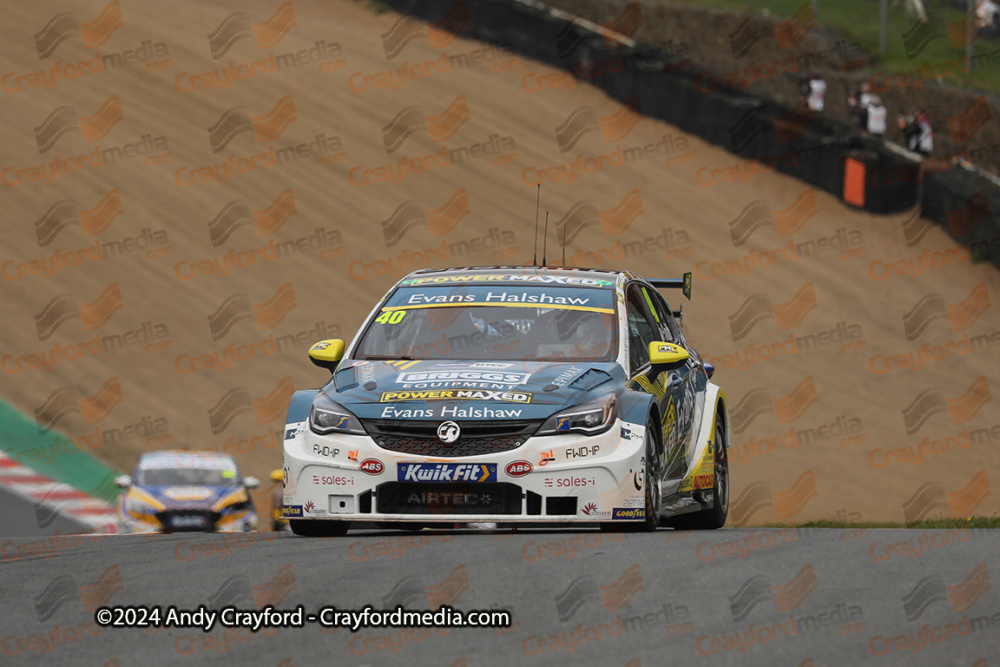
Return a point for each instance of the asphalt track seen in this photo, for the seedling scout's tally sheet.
(692, 593)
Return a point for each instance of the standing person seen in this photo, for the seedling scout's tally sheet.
(876, 117)
(865, 98)
(985, 14)
(858, 110)
(911, 132)
(817, 91)
(925, 145)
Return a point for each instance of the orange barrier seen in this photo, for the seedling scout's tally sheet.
(854, 182)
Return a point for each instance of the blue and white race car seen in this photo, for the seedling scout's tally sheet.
(182, 491)
(511, 395)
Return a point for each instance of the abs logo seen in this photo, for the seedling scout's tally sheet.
(518, 468)
(372, 467)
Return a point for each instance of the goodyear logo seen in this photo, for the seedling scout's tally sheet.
(446, 472)
(628, 513)
(457, 395)
(291, 510)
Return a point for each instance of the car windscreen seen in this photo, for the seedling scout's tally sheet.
(539, 323)
(185, 473)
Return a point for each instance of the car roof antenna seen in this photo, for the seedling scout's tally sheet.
(545, 237)
(538, 201)
(564, 243)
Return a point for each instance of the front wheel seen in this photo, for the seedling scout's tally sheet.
(318, 528)
(654, 482)
(715, 516)
(653, 488)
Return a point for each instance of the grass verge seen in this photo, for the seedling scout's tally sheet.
(857, 21)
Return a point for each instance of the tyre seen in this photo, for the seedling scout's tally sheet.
(653, 486)
(715, 516)
(318, 528)
(654, 480)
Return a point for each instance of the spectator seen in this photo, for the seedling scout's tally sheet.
(859, 109)
(866, 95)
(911, 132)
(817, 91)
(985, 14)
(876, 117)
(925, 145)
(913, 7)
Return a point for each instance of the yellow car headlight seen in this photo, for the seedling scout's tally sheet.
(237, 497)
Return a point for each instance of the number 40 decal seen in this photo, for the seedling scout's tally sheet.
(394, 317)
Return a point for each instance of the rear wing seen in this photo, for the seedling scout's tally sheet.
(683, 284)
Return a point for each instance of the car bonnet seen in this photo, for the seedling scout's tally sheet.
(482, 389)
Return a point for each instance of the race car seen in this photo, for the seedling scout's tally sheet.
(182, 491)
(278, 521)
(511, 395)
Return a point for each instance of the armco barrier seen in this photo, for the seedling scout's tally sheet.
(813, 150)
(964, 201)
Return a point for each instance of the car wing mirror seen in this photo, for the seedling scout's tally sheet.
(667, 356)
(327, 353)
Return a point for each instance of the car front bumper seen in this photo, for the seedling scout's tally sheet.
(548, 479)
(236, 522)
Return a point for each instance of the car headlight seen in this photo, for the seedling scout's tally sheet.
(136, 507)
(589, 418)
(235, 501)
(140, 504)
(327, 416)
